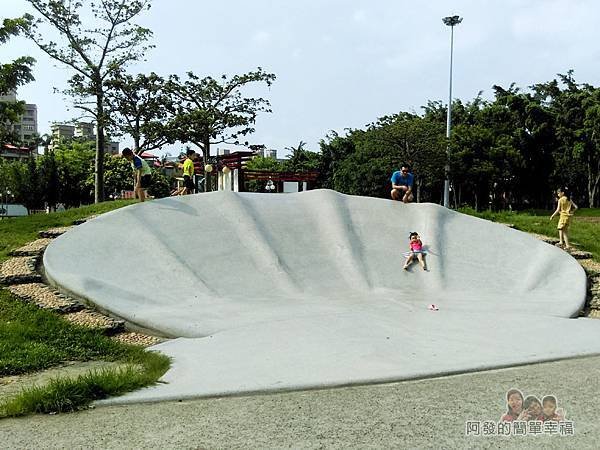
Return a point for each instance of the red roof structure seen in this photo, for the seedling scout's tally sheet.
(150, 157)
(15, 148)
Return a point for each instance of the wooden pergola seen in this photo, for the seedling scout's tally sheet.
(237, 161)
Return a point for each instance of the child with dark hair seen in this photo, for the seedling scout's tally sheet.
(142, 174)
(565, 208)
(415, 247)
(550, 411)
(514, 401)
(532, 409)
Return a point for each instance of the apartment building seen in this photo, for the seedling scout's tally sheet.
(27, 127)
(82, 130)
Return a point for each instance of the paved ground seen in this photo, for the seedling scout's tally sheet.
(414, 414)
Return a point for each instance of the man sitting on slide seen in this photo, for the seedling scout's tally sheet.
(402, 183)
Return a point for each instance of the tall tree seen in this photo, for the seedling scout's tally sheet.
(591, 124)
(574, 107)
(93, 51)
(209, 111)
(140, 107)
(406, 138)
(12, 75)
(75, 161)
(30, 190)
(334, 149)
(300, 159)
(49, 179)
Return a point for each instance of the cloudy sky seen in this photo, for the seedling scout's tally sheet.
(343, 63)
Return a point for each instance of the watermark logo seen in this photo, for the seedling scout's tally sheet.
(525, 416)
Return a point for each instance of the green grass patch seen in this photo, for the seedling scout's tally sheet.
(584, 232)
(32, 339)
(17, 231)
(72, 394)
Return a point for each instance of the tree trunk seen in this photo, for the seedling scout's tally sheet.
(593, 191)
(593, 181)
(207, 175)
(136, 138)
(136, 145)
(99, 163)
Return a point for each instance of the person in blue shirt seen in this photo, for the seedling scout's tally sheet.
(402, 184)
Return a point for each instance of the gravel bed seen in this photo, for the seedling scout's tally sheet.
(547, 239)
(20, 269)
(84, 220)
(591, 267)
(133, 338)
(95, 320)
(579, 254)
(594, 291)
(34, 248)
(44, 297)
(53, 232)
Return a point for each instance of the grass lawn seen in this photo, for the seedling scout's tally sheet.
(17, 231)
(584, 232)
(32, 339)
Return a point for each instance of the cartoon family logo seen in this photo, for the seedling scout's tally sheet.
(525, 416)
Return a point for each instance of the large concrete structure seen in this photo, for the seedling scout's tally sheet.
(269, 292)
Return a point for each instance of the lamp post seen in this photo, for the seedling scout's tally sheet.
(450, 21)
(4, 205)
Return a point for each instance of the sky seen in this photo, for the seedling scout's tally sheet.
(343, 63)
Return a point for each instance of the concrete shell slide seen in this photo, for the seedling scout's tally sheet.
(270, 292)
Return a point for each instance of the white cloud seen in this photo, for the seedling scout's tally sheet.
(261, 37)
(359, 15)
(551, 19)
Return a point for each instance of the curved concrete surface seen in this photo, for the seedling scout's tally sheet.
(305, 290)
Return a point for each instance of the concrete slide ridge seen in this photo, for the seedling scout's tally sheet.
(272, 292)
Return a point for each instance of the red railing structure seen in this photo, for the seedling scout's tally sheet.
(12, 152)
(239, 159)
(265, 175)
(235, 160)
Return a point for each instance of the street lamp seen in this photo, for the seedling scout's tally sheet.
(270, 187)
(4, 205)
(451, 21)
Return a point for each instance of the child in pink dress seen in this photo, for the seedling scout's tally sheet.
(416, 250)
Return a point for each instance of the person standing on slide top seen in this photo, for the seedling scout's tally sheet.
(142, 174)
